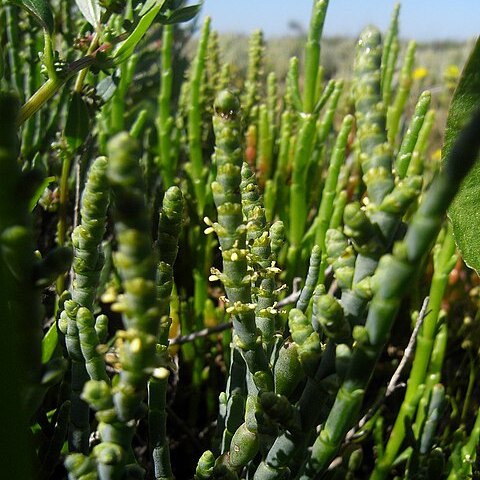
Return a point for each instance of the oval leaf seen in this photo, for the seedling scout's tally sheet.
(183, 14)
(464, 212)
(127, 48)
(91, 10)
(49, 343)
(78, 122)
(40, 10)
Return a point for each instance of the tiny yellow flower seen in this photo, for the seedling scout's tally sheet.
(451, 72)
(450, 76)
(419, 73)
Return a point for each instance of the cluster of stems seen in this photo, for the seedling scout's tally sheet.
(326, 222)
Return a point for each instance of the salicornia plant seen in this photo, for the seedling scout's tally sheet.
(215, 270)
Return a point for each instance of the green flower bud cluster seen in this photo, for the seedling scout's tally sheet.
(308, 342)
(360, 229)
(329, 318)
(279, 409)
(341, 256)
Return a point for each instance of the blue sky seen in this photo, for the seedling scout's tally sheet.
(419, 19)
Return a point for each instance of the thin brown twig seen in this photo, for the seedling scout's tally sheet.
(294, 296)
(393, 384)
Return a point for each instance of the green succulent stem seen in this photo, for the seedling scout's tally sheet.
(434, 372)
(165, 119)
(445, 260)
(298, 204)
(231, 231)
(116, 120)
(119, 407)
(370, 113)
(62, 214)
(312, 54)
(79, 325)
(410, 139)
(253, 82)
(329, 192)
(194, 119)
(389, 55)
(405, 83)
(169, 227)
(232, 234)
(11, 14)
(389, 289)
(376, 163)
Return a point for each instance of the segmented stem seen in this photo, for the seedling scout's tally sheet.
(169, 227)
(312, 54)
(391, 281)
(387, 54)
(165, 118)
(405, 83)
(195, 118)
(410, 139)
(231, 233)
(253, 83)
(444, 261)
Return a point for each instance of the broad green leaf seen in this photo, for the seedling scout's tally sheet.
(183, 14)
(78, 122)
(127, 48)
(38, 192)
(464, 211)
(40, 10)
(91, 10)
(49, 343)
(174, 4)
